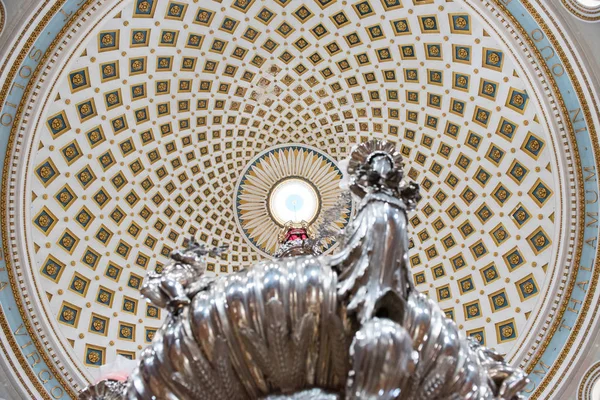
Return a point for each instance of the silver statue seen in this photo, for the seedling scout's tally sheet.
(173, 287)
(350, 325)
(105, 390)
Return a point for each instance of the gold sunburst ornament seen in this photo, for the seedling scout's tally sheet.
(288, 183)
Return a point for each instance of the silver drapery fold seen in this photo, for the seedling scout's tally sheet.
(373, 262)
(273, 329)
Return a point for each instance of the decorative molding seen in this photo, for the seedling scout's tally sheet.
(566, 75)
(2, 16)
(588, 382)
(582, 11)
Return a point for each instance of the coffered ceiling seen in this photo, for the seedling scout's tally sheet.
(153, 124)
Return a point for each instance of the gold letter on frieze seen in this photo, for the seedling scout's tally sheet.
(35, 54)
(576, 303)
(46, 376)
(558, 70)
(576, 118)
(592, 173)
(593, 216)
(537, 35)
(57, 392)
(530, 387)
(35, 356)
(552, 52)
(6, 119)
(543, 371)
(67, 16)
(583, 285)
(564, 326)
(18, 331)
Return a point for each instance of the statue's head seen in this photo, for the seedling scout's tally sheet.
(381, 164)
(375, 166)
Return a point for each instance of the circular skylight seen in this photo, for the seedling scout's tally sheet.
(286, 183)
(589, 3)
(294, 200)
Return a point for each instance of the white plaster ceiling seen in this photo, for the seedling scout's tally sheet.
(152, 125)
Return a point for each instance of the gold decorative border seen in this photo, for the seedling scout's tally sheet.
(569, 171)
(56, 7)
(588, 382)
(584, 13)
(13, 344)
(596, 147)
(2, 16)
(73, 363)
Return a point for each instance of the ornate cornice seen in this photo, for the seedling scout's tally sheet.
(581, 11)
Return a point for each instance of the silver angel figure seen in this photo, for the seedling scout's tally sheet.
(104, 390)
(176, 284)
(350, 325)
